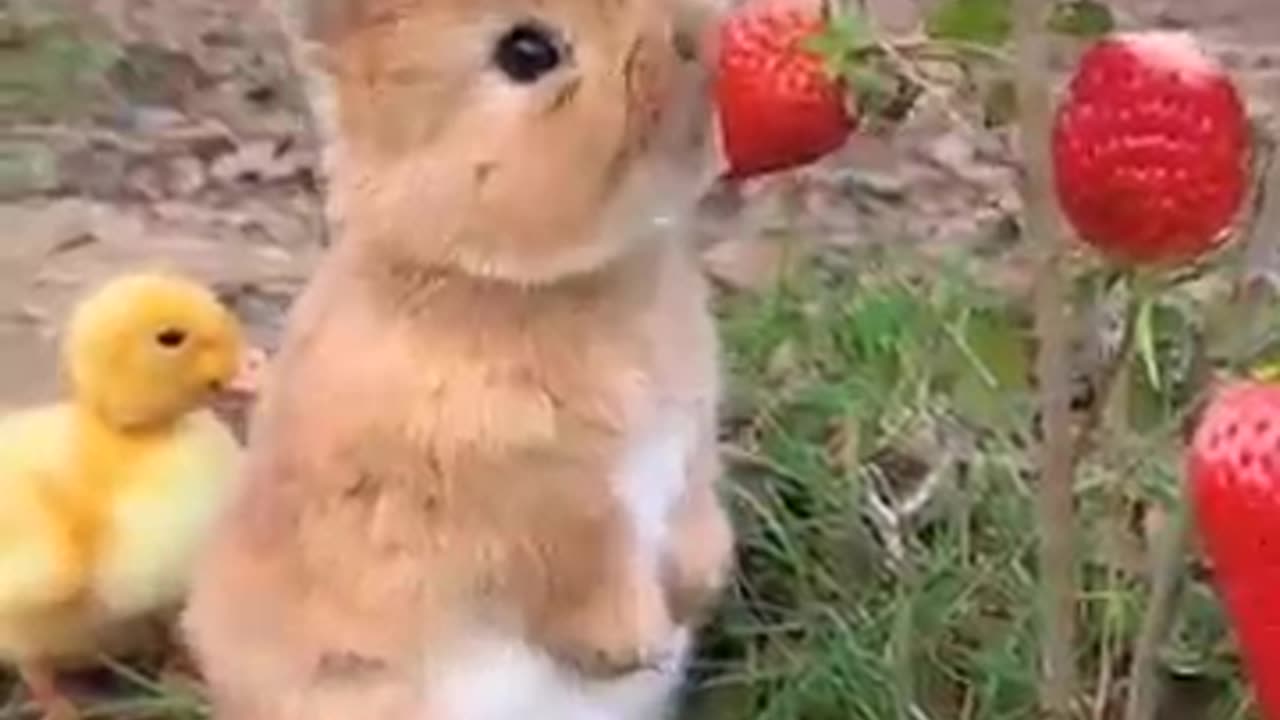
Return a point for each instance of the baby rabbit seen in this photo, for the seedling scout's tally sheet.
(482, 481)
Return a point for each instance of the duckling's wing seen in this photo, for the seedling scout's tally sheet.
(175, 494)
(41, 560)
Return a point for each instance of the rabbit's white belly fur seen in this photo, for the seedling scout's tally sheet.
(502, 678)
(653, 475)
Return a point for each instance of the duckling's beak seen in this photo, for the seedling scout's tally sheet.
(247, 381)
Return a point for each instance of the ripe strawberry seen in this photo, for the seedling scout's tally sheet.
(777, 105)
(1149, 148)
(1234, 469)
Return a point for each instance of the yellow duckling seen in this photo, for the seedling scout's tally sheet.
(105, 497)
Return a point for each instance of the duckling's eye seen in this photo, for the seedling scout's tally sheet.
(527, 52)
(171, 338)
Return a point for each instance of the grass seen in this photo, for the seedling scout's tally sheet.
(50, 70)
(859, 379)
(49, 64)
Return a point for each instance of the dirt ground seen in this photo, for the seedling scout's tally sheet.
(144, 131)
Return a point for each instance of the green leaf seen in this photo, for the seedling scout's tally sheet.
(1081, 18)
(986, 22)
(1146, 337)
(851, 30)
(828, 46)
(841, 41)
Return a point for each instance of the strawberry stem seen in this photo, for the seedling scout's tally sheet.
(1056, 506)
(1146, 334)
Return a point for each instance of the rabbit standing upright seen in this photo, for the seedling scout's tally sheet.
(482, 484)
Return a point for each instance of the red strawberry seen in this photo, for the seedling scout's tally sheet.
(1150, 148)
(778, 107)
(1234, 468)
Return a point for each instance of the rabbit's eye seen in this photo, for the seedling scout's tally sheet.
(527, 52)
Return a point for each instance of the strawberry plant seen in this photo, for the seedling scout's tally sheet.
(1148, 154)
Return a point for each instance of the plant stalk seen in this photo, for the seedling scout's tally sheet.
(1057, 461)
(1166, 586)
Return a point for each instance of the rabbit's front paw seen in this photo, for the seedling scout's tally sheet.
(626, 656)
(625, 630)
(700, 558)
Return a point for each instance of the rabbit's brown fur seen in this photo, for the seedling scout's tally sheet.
(502, 340)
